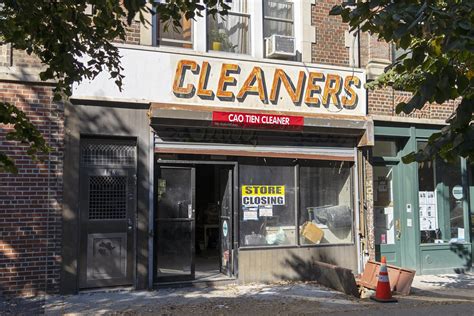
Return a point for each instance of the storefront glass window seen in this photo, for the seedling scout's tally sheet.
(384, 223)
(441, 199)
(230, 33)
(326, 208)
(267, 202)
(169, 35)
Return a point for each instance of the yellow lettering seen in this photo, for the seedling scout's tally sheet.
(331, 91)
(225, 80)
(281, 77)
(203, 77)
(180, 74)
(311, 88)
(255, 77)
(351, 102)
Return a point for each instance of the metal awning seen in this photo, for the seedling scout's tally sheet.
(164, 114)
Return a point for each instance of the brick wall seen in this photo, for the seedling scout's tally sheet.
(384, 102)
(132, 34)
(329, 47)
(30, 202)
(22, 59)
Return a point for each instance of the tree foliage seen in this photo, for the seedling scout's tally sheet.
(438, 37)
(60, 32)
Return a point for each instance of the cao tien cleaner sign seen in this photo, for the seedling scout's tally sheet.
(270, 86)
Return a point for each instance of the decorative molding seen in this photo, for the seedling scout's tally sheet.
(305, 32)
(376, 67)
(406, 119)
(22, 75)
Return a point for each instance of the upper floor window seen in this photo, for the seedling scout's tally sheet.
(278, 18)
(168, 35)
(230, 33)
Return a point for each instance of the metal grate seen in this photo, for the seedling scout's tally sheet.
(96, 154)
(108, 197)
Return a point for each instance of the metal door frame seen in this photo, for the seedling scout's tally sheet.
(230, 217)
(193, 228)
(234, 225)
(84, 174)
(398, 197)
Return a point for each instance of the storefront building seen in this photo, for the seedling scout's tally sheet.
(248, 163)
(228, 157)
(419, 215)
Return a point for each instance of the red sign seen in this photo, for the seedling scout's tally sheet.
(238, 119)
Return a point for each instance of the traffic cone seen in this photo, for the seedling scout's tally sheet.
(383, 293)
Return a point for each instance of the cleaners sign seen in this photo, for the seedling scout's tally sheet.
(238, 119)
(263, 195)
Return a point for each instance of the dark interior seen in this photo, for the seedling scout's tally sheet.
(207, 222)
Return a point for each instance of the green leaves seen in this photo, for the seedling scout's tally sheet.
(75, 44)
(438, 66)
(22, 131)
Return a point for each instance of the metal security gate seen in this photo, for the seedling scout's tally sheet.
(107, 201)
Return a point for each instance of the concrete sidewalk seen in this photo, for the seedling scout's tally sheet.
(431, 295)
(452, 286)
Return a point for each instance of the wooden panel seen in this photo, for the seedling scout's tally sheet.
(271, 265)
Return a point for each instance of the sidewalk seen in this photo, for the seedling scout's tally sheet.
(452, 286)
(431, 295)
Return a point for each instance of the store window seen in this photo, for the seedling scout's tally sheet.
(441, 199)
(230, 33)
(170, 35)
(278, 18)
(386, 148)
(326, 206)
(267, 202)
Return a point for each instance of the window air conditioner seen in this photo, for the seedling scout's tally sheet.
(280, 46)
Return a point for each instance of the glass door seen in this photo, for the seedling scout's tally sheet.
(175, 223)
(387, 223)
(225, 222)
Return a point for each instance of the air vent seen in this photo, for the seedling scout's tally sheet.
(277, 46)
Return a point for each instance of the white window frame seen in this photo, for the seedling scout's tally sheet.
(157, 41)
(271, 18)
(250, 17)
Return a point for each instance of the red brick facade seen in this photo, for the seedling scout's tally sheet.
(329, 47)
(30, 202)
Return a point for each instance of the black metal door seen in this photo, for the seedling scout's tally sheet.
(225, 222)
(175, 223)
(107, 201)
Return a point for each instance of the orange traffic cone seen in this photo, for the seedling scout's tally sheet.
(383, 293)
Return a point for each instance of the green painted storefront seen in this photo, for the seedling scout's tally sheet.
(422, 212)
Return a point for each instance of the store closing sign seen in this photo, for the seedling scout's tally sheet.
(263, 195)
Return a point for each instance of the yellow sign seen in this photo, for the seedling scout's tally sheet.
(263, 195)
(313, 88)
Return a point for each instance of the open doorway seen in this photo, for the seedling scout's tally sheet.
(213, 221)
(207, 222)
(193, 235)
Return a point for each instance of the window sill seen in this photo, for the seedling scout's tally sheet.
(249, 248)
(444, 245)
